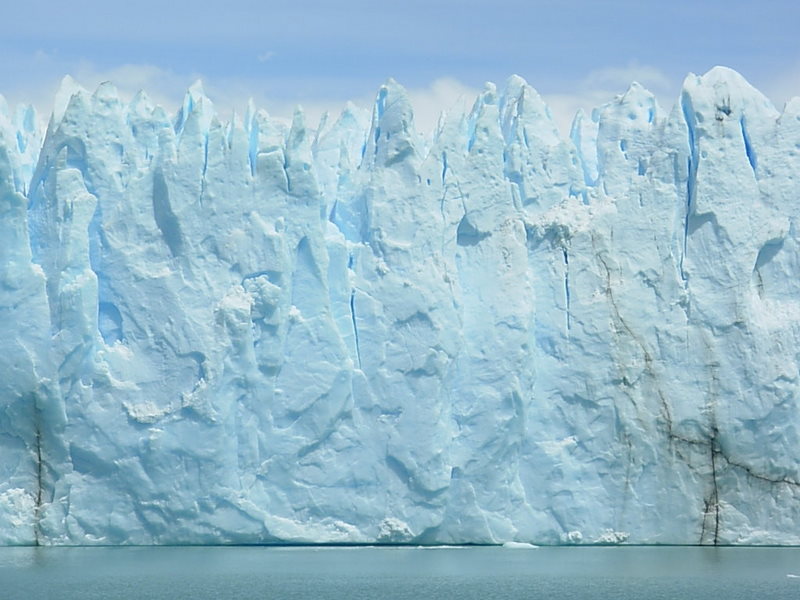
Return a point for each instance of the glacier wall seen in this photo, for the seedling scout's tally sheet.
(246, 332)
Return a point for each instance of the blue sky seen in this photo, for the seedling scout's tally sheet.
(321, 54)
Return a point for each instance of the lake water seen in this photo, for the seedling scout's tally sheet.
(480, 573)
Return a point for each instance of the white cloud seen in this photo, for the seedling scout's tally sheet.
(163, 86)
(784, 87)
(428, 102)
(443, 94)
(620, 78)
(602, 85)
(36, 76)
(167, 88)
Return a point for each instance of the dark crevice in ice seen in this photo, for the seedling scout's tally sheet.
(200, 361)
(109, 322)
(165, 219)
(205, 154)
(252, 150)
(712, 503)
(468, 234)
(355, 325)
(691, 178)
(39, 468)
(765, 256)
(784, 480)
(566, 288)
(748, 146)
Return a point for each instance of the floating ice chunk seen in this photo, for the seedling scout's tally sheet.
(519, 545)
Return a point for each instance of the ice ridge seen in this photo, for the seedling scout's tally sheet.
(254, 332)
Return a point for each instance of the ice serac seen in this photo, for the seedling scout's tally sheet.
(256, 331)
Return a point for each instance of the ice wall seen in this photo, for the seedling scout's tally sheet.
(244, 332)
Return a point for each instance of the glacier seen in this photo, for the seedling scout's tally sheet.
(250, 331)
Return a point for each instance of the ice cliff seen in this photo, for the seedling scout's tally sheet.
(245, 332)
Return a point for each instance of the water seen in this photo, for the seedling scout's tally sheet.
(480, 573)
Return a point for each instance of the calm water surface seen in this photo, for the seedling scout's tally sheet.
(478, 573)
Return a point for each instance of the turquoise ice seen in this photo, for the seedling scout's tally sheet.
(251, 331)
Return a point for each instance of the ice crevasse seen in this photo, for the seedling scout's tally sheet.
(249, 332)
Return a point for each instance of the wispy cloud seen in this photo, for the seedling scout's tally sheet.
(441, 95)
(164, 86)
(229, 95)
(785, 86)
(602, 85)
(167, 87)
(428, 101)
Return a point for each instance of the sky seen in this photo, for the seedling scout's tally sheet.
(576, 53)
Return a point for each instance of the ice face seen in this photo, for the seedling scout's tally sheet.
(254, 332)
